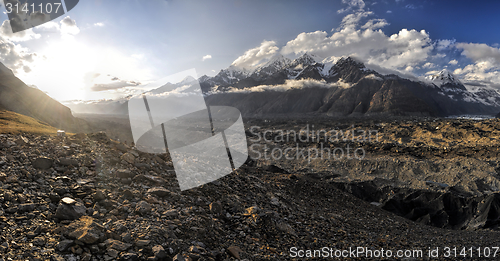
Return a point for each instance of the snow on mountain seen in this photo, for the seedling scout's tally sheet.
(444, 77)
(274, 65)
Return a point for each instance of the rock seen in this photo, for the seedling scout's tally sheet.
(68, 162)
(99, 195)
(3, 177)
(85, 230)
(159, 191)
(99, 136)
(171, 213)
(70, 209)
(121, 147)
(118, 245)
(64, 245)
(124, 174)
(178, 257)
(216, 208)
(39, 241)
(128, 257)
(142, 243)
(128, 158)
(42, 163)
(143, 207)
(159, 252)
(234, 251)
(28, 207)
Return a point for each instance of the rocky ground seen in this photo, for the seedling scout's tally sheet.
(86, 197)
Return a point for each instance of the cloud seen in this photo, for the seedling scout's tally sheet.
(479, 52)
(6, 33)
(108, 82)
(485, 68)
(352, 4)
(389, 12)
(68, 26)
(444, 44)
(292, 84)
(453, 62)
(257, 55)
(402, 51)
(14, 56)
(206, 57)
(99, 24)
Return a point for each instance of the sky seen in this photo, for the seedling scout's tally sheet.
(103, 49)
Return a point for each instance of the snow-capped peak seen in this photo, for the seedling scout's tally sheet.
(275, 64)
(277, 61)
(444, 77)
(307, 59)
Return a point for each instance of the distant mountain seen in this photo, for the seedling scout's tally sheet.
(16, 96)
(353, 90)
(336, 87)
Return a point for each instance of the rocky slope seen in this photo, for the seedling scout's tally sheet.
(89, 198)
(16, 96)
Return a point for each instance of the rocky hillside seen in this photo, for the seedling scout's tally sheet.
(16, 96)
(88, 198)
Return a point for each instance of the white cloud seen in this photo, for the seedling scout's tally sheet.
(257, 55)
(453, 62)
(6, 33)
(444, 44)
(292, 84)
(485, 69)
(108, 82)
(99, 24)
(428, 65)
(402, 51)
(480, 52)
(206, 57)
(352, 4)
(68, 26)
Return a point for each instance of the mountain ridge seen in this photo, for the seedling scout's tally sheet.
(17, 97)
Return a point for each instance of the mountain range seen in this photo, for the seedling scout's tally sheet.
(331, 87)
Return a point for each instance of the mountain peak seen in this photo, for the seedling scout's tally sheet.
(349, 61)
(444, 77)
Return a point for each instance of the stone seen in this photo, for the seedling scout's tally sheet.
(27, 207)
(124, 174)
(68, 162)
(39, 241)
(142, 242)
(64, 245)
(178, 257)
(216, 208)
(159, 191)
(85, 230)
(128, 257)
(159, 252)
(70, 209)
(99, 195)
(128, 158)
(143, 207)
(42, 163)
(172, 213)
(234, 251)
(118, 245)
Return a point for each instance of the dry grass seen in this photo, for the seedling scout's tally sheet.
(11, 122)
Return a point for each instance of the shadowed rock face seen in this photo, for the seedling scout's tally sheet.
(16, 96)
